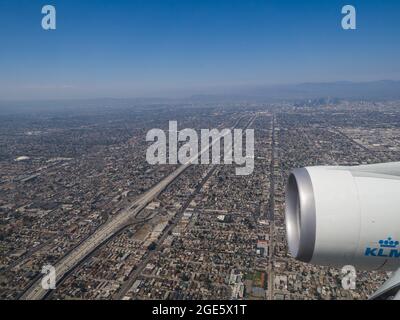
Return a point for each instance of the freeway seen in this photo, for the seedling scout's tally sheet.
(36, 292)
(165, 233)
(135, 274)
(107, 230)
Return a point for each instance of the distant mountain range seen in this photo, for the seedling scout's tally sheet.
(384, 89)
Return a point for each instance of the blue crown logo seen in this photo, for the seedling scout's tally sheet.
(389, 243)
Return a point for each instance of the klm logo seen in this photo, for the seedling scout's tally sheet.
(387, 249)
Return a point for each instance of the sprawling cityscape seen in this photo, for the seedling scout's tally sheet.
(189, 158)
(76, 192)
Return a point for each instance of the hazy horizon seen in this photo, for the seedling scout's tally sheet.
(380, 89)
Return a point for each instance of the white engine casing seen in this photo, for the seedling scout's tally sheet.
(338, 216)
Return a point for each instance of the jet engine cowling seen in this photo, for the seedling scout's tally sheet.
(338, 216)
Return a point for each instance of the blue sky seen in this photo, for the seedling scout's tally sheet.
(146, 47)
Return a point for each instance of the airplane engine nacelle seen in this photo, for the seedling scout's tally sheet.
(338, 216)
